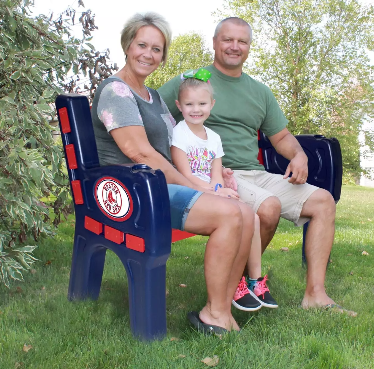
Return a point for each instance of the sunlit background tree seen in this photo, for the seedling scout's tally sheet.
(186, 52)
(314, 55)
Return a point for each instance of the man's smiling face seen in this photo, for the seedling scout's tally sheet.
(231, 45)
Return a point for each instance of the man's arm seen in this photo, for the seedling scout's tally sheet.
(288, 146)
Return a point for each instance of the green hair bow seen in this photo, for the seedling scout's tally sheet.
(201, 74)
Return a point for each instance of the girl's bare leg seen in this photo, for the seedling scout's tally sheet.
(254, 260)
(247, 239)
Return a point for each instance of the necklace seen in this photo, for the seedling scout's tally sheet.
(142, 94)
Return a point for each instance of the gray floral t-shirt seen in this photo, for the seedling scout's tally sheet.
(115, 105)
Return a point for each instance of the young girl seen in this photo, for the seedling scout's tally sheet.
(196, 152)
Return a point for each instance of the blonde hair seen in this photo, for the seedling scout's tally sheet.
(195, 83)
(139, 20)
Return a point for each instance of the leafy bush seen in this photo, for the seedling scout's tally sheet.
(36, 55)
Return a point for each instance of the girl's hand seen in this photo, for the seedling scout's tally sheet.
(228, 192)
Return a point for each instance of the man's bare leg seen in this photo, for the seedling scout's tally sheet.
(269, 213)
(225, 253)
(320, 207)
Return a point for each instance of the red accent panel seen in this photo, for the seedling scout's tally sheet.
(260, 158)
(135, 243)
(77, 192)
(113, 235)
(70, 154)
(177, 235)
(93, 225)
(64, 119)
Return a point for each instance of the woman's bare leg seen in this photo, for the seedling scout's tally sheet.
(225, 254)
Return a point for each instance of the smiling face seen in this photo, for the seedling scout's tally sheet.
(231, 47)
(145, 52)
(195, 104)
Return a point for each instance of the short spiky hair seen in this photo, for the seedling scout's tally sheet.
(139, 20)
(195, 83)
(236, 20)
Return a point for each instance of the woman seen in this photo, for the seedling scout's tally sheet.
(140, 130)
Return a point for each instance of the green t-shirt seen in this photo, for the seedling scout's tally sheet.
(243, 106)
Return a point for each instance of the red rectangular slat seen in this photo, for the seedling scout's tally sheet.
(135, 243)
(70, 155)
(260, 158)
(113, 235)
(93, 225)
(64, 119)
(177, 235)
(77, 192)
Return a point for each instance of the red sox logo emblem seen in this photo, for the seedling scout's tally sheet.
(113, 199)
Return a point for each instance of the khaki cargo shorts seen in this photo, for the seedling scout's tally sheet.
(255, 186)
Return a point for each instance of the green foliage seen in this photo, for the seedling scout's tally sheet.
(186, 52)
(13, 261)
(35, 56)
(313, 54)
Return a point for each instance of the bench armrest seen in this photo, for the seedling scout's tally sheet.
(324, 161)
(130, 198)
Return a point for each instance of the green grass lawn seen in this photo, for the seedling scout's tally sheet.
(96, 334)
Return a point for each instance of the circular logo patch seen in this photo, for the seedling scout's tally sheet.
(113, 199)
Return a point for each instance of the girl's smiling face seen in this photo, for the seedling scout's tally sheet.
(195, 104)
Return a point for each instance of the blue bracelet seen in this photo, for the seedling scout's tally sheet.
(218, 185)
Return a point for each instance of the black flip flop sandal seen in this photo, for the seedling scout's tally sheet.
(193, 317)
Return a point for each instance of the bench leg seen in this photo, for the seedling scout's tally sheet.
(147, 298)
(86, 270)
(303, 256)
(96, 270)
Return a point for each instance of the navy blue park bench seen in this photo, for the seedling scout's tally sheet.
(125, 208)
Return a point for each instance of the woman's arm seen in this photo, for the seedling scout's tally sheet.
(180, 160)
(133, 142)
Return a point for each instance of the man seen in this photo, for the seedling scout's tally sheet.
(243, 106)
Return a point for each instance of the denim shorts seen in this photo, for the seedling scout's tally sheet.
(181, 201)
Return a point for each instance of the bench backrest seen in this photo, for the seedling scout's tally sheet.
(77, 129)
